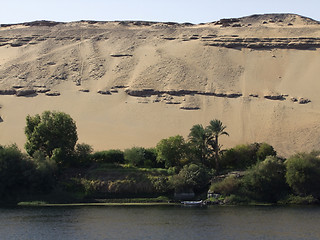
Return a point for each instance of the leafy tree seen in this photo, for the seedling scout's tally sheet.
(216, 129)
(140, 157)
(16, 171)
(191, 177)
(44, 178)
(205, 141)
(50, 131)
(172, 151)
(110, 156)
(303, 173)
(264, 151)
(83, 153)
(265, 181)
(229, 185)
(151, 158)
(239, 157)
(199, 137)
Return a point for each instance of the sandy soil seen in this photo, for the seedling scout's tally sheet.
(77, 56)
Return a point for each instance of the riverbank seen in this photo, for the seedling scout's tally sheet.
(41, 204)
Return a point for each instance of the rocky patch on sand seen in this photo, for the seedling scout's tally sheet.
(151, 92)
(52, 93)
(302, 43)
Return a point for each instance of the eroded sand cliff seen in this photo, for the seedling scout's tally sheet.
(134, 83)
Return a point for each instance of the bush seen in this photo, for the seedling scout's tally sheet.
(266, 180)
(50, 131)
(264, 151)
(191, 177)
(111, 156)
(16, 171)
(298, 200)
(160, 184)
(44, 178)
(236, 199)
(141, 157)
(83, 154)
(227, 186)
(303, 174)
(240, 157)
(172, 151)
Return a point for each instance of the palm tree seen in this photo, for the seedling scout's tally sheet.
(198, 137)
(215, 130)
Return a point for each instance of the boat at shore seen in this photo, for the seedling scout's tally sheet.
(193, 203)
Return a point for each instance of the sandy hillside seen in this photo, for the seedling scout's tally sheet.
(133, 83)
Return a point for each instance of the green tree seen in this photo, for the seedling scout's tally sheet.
(199, 137)
(303, 173)
(215, 130)
(227, 186)
(172, 151)
(50, 131)
(140, 157)
(264, 151)
(266, 181)
(240, 157)
(83, 154)
(44, 178)
(191, 177)
(15, 173)
(110, 156)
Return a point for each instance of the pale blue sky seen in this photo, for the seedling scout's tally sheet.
(196, 11)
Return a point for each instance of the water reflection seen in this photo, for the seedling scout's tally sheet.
(160, 223)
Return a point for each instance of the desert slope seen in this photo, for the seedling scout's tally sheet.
(134, 83)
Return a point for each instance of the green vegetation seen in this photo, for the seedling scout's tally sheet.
(53, 134)
(243, 156)
(192, 177)
(265, 181)
(111, 156)
(140, 157)
(172, 151)
(205, 142)
(303, 174)
(57, 170)
(216, 129)
(20, 175)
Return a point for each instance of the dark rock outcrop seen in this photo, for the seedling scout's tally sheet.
(300, 43)
(18, 86)
(189, 108)
(26, 92)
(275, 97)
(53, 94)
(7, 91)
(293, 99)
(304, 101)
(104, 92)
(142, 92)
(121, 55)
(227, 21)
(84, 90)
(151, 92)
(43, 90)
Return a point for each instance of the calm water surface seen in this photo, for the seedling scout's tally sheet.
(160, 223)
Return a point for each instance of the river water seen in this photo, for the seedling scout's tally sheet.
(160, 222)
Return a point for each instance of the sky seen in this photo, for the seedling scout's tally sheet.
(193, 11)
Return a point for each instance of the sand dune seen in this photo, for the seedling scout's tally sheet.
(257, 74)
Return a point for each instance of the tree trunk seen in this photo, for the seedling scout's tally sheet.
(216, 153)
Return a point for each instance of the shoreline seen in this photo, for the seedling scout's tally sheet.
(37, 204)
